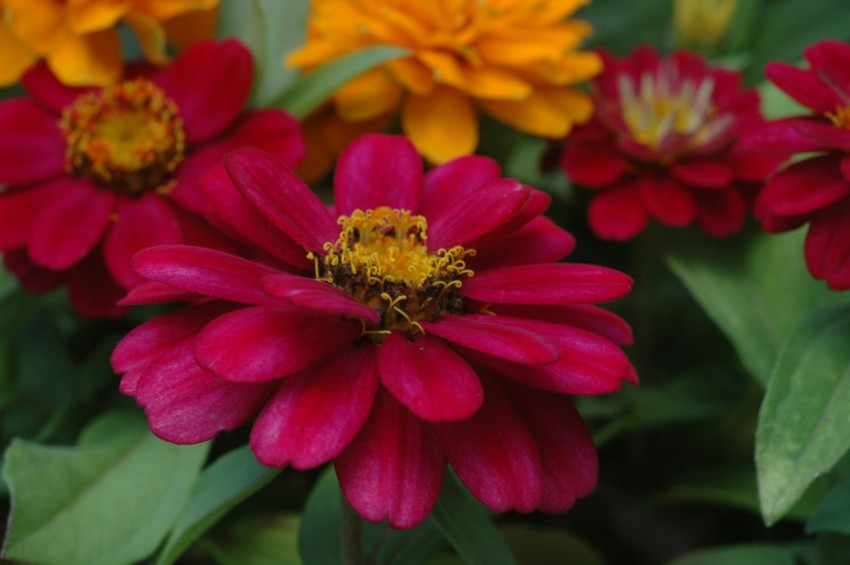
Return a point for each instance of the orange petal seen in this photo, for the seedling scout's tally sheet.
(39, 23)
(573, 68)
(442, 125)
(15, 57)
(89, 59)
(444, 67)
(412, 74)
(366, 96)
(85, 16)
(151, 36)
(165, 9)
(544, 113)
(491, 82)
(187, 29)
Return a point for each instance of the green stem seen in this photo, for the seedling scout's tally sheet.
(351, 534)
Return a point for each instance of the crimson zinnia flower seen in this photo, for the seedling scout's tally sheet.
(94, 175)
(662, 145)
(814, 190)
(419, 321)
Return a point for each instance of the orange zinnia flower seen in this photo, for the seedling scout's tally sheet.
(514, 59)
(79, 40)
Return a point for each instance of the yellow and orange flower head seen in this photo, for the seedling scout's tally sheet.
(79, 39)
(514, 59)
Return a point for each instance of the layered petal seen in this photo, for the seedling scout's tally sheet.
(31, 145)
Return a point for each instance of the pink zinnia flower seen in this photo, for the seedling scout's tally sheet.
(420, 321)
(94, 175)
(814, 190)
(662, 145)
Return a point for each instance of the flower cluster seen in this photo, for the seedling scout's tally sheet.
(94, 175)
(420, 321)
(662, 144)
(516, 60)
(80, 40)
(814, 190)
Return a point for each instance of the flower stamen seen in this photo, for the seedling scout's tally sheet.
(381, 259)
(840, 118)
(128, 137)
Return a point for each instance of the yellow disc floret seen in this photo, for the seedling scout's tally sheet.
(128, 137)
(840, 118)
(381, 259)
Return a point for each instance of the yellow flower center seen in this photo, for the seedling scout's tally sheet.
(667, 114)
(840, 118)
(381, 259)
(128, 137)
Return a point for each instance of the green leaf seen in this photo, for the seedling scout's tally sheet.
(538, 545)
(803, 423)
(313, 89)
(231, 479)
(833, 513)
(257, 540)
(270, 29)
(319, 537)
(109, 500)
(467, 526)
(754, 288)
(738, 555)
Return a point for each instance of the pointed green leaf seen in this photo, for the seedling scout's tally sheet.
(804, 418)
(225, 483)
(314, 88)
(270, 29)
(467, 526)
(109, 500)
(754, 288)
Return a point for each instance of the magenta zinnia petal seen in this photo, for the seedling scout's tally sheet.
(315, 414)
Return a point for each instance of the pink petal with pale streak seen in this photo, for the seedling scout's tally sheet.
(146, 342)
(43, 86)
(92, 290)
(703, 173)
(429, 378)
(316, 413)
(378, 170)
(262, 343)
(668, 201)
(141, 223)
(479, 333)
(828, 245)
(570, 463)
(824, 133)
(158, 293)
(479, 213)
(558, 284)
(31, 145)
(242, 220)
(537, 203)
(829, 60)
(71, 224)
(205, 271)
(538, 241)
(271, 130)
(19, 211)
(594, 163)
(448, 183)
(394, 468)
(588, 363)
(317, 295)
(283, 198)
(210, 83)
(805, 186)
(721, 212)
(804, 86)
(186, 404)
(494, 454)
(618, 213)
(585, 317)
(778, 136)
